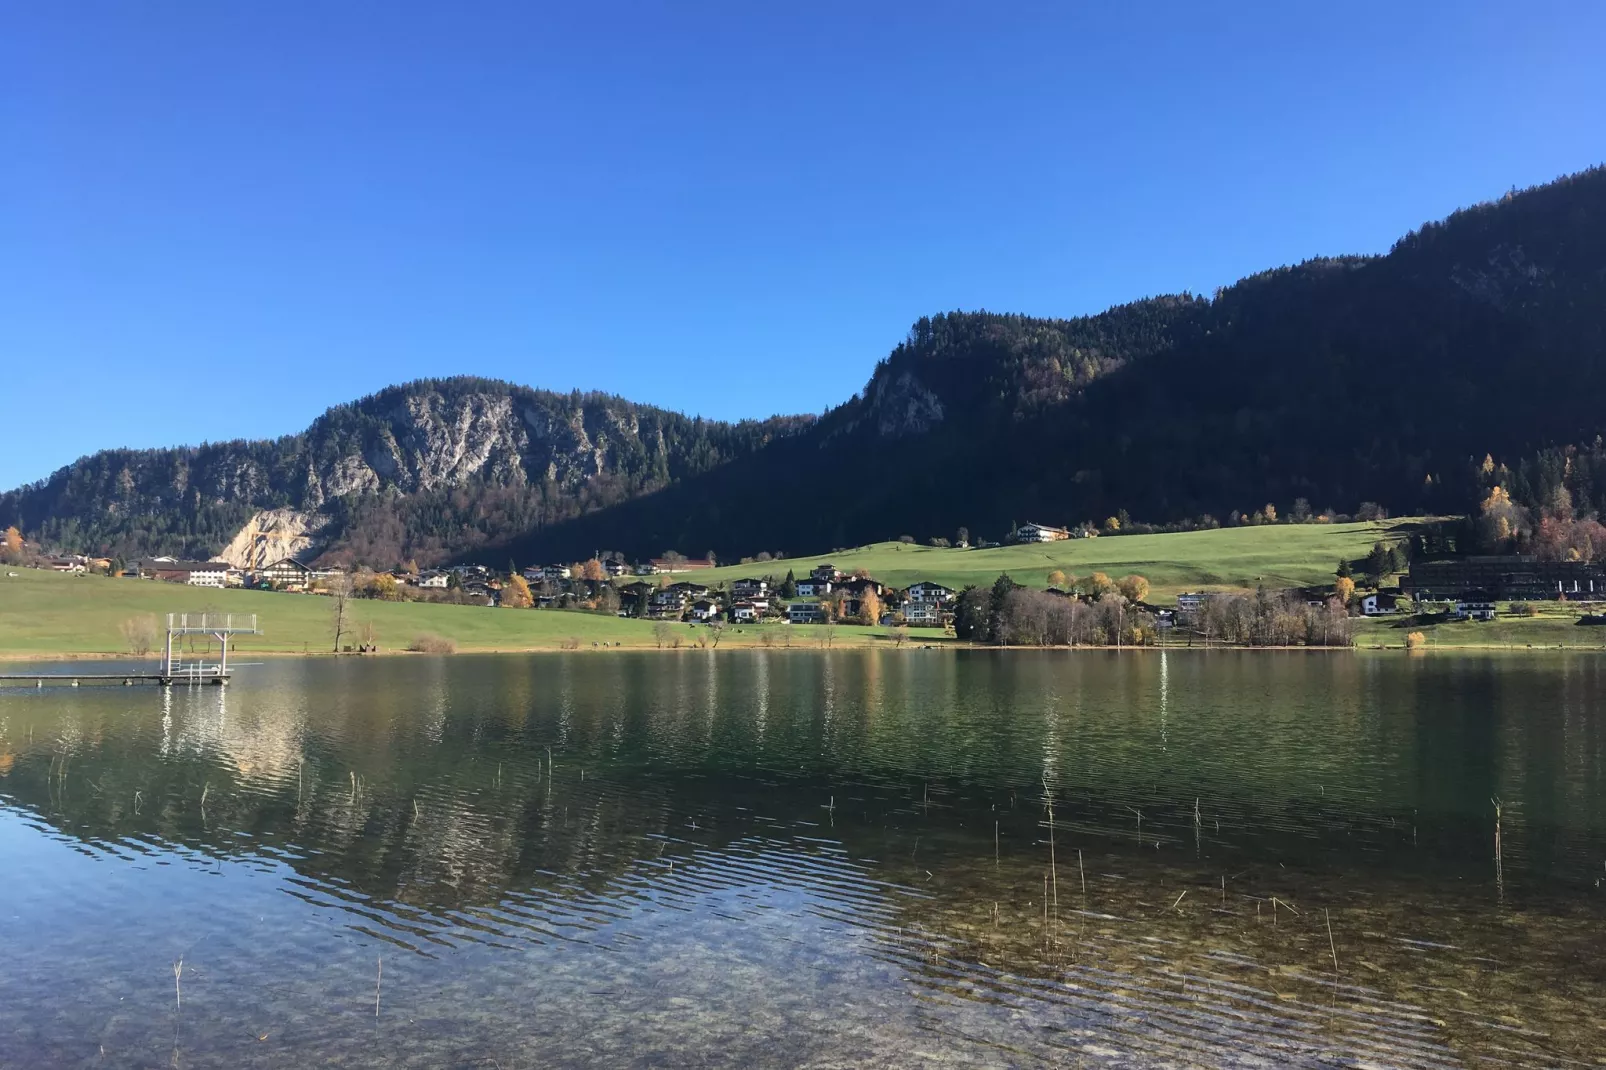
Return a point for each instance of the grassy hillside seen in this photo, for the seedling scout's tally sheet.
(1283, 555)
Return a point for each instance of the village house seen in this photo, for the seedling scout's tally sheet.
(1038, 533)
(826, 573)
(923, 614)
(1189, 603)
(554, 573)
(192, 573)
(810, 587)
(744, 612)
(859, 586)
(805, 613)
(1475, 605)
(750, 588)
(1376, 604)
(926, 591)
(68, 564)
(662, 565)
(437, 581)
(614, 567)
(703, 610)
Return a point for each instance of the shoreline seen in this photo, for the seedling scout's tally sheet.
(814, 648)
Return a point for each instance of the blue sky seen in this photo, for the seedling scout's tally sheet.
(216, 220)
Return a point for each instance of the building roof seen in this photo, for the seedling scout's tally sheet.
(169, 565)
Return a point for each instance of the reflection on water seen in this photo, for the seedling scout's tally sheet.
(804, 858)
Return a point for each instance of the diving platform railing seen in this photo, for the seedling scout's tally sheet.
(219, 626)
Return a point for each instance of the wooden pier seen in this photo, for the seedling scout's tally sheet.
(126, 679)
(173, 669)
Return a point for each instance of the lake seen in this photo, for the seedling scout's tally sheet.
(790, 858)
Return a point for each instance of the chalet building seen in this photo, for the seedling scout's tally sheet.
(1506, 576)
(614, 567)
(827, 573)
(1475, 605)
(810, 587)
(1039, 533)
(860, 586)
(554, 573)
(437, 581)
(1378, 604)
(191, 573)
(291, 575)
(750, 588)
(805, 613)
(662, 565)
(744, 612)
(703, 610)
(1189, 603)
(923, 614)
(926, 591)
(68, 564)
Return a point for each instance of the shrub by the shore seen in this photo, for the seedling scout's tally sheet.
(429, 643)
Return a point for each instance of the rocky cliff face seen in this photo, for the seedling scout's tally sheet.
(461, 455)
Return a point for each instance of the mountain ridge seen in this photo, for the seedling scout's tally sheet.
(1337, 380)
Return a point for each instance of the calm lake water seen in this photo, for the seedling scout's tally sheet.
(798, 858)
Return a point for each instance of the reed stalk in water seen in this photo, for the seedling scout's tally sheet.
(378, 977)
(178, 991)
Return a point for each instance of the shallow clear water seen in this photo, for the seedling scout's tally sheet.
(788, 858)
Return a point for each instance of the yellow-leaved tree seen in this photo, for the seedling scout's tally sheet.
(1135, 587)
(516, 594)
(1344, 589)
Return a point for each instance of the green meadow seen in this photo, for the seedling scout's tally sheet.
(1557, 625)
(47, 614)
(1278, 555)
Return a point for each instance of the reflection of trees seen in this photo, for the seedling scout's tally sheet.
(422, 793)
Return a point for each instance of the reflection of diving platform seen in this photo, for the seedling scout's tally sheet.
(219, 626)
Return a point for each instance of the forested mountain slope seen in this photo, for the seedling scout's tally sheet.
(429, 469)
(1344, 380)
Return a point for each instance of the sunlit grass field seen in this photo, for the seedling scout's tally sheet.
(1281, 555)
(46, 613)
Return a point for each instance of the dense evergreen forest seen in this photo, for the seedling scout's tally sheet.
(1338, 381)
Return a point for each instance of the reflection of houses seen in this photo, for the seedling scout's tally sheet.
(805, 613)
(1513, 576)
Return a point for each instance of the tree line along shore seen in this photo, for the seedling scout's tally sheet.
(45, 614)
